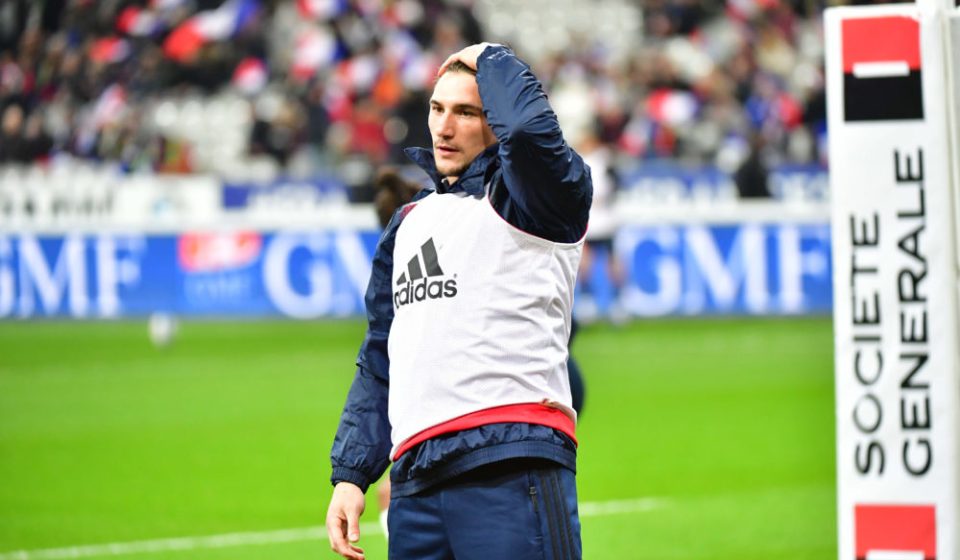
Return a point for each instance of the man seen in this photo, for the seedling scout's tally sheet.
(461, 378)
(391, 191)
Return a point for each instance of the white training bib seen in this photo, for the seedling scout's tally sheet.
(481, 319)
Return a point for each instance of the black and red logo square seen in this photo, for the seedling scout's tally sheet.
(881, 69)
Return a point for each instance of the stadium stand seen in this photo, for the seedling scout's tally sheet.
(258, 89)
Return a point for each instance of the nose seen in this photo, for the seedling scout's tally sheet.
(445, 127)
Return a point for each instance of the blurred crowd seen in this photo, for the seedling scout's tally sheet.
(316, 86)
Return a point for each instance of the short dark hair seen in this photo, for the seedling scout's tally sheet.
(458, 66)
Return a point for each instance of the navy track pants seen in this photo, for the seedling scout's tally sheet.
(509, 511)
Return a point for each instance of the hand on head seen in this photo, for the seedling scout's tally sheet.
(468, 56)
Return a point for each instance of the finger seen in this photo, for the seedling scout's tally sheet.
(350, 551)
(345, 549)
(336, 535)
(450, 60)
(353, 525)
(356, 553)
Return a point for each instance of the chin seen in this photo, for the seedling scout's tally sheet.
(451, 170)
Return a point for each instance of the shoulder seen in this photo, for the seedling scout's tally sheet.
(402, 212)
(389, 234)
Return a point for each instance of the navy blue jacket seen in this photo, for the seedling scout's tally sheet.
(538, 184)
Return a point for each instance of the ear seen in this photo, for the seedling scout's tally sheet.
(489, 138)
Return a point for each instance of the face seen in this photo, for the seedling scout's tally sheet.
(457, 125)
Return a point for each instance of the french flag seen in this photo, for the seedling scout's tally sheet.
(359, 73)
(321, 10)
(108, 109)
(314, 48)
(185, 41)
(417, 68)
(109, 50)
(671, 107)
(881, 69)
(109, 106)
(137, 22)
(250, 76)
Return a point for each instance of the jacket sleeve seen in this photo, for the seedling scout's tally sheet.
(548, 185)
(362, 444)
(361, 447)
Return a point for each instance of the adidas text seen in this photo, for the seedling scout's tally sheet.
(424, 289)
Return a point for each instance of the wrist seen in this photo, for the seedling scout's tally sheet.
(343, 474)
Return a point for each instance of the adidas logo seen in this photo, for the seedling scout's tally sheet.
(415, 285)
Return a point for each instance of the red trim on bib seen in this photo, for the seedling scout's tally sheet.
(528, 413)
(406, 208)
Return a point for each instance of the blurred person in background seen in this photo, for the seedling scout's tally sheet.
(36, 142)
(600, 231)
(11, 134)
(22, 137)
(462, 375)
(752, 175)
(687, 89)
(391, 191)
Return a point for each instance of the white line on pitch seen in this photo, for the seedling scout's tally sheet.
(614, 507)
(587, 509)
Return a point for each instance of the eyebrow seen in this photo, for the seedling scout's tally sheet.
(457, 106)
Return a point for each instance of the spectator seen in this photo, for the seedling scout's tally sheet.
(11, 135)
(36, 142)
(752, 175)
(354, 76)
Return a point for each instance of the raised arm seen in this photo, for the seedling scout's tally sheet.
(548, 184)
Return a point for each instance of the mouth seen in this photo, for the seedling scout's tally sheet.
(445, 149)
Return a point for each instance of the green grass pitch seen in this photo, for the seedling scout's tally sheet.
(728, 425)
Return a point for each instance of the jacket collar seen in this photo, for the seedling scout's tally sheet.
(473, 179)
